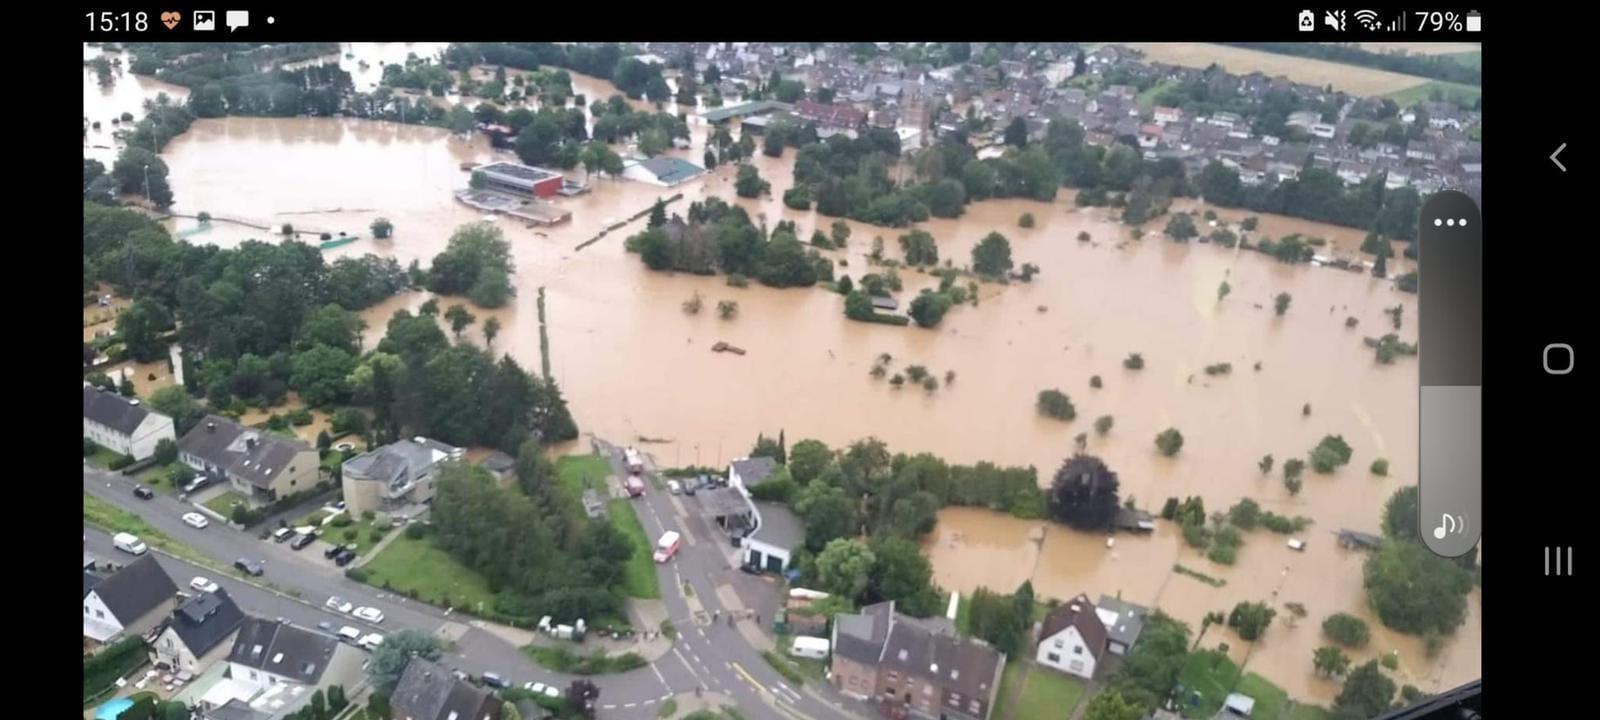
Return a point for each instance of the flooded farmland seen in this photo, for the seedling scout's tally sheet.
(634, 365)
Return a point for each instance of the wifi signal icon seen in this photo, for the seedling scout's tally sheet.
(1368, 19)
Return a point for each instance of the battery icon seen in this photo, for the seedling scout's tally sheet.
(1474, 22)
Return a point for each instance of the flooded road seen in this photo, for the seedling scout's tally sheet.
(633, 364)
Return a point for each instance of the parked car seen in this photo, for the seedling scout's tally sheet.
(349, 634)
(203, 584)
(370, 641)
(282, 535)
(689, 486)
(332, 551)
(344, 557)
(143, 493)
(252, 568)
(195, 483)
(539, 688)
(339, 604)
(369, 614)
(674, 487)
(195, 520)
(495, 681)
(302, 541)
(325, 626)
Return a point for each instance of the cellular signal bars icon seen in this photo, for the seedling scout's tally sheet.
(1556, 553)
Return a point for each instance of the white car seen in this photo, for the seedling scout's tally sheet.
(369, 614)
(539, 688)
(195, 520)
(203, 584)
(674, 487)
(339, 604)
(349, 634)
(371, 641)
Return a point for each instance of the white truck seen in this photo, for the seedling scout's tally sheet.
(128, 543)
(634, 460)
(809, 647)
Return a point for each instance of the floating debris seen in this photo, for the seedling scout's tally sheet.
(724, 347)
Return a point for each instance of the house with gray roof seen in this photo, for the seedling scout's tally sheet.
(267, 654)
(916, 667)
(195, 635)
(427, 691)
(123, 425)
(777, 535)
(396, 476)
(1123, 620)
(128, 602)
(662, 170)
(257, 464)
(749, 472)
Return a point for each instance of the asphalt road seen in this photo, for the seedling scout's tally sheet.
(715, 657)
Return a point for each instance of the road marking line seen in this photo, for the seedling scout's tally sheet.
(608, 707)
(663, 680)
(651, 701)
(629, 705)
(668, 696)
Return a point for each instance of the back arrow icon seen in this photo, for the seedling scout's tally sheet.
(1558, 152)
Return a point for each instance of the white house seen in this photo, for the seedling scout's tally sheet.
(196, 634)
(1072, 638)
(122, 424)
(777, 535)
(268, 654)
(127, 602)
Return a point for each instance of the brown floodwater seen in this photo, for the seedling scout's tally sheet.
(973, 547)
(104, 103)
(634, 365)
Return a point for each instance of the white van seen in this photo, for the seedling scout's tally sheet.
(128, 543)
(809, 647)
(667, 546)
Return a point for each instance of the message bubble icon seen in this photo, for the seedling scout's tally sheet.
(236, 19)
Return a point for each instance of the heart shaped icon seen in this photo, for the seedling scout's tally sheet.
(170, 18)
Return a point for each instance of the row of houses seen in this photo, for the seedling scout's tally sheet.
(244, 667)
(883, 91)
(263, 467)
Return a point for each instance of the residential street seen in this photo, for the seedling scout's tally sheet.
(713, 656)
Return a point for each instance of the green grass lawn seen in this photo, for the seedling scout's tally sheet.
(579, 472)
(224, 503)
(408, 566)
(1049, 694)
(1424, 92)
(160, 478)
(1008, 685)
(1213, 675)
(639, 577)
(1308, 712)
(102, 457)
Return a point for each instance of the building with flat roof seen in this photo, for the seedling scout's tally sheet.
(519, 179)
